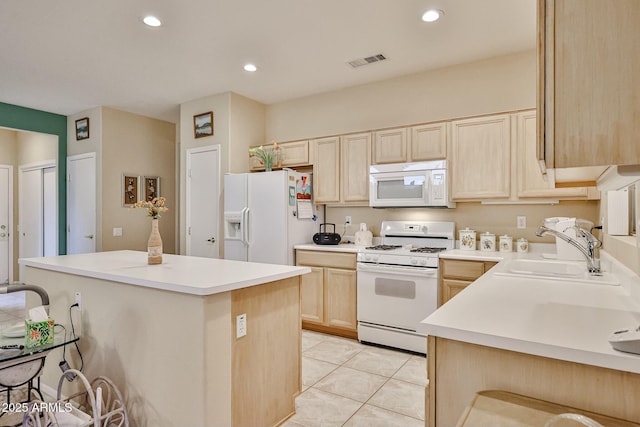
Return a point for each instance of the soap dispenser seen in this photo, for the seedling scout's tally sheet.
(364, 236)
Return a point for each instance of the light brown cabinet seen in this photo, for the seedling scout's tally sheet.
(341, 169)
(295, 153)
(588, 93)
(326, 170)
(455, 275)
(328, 294)
(480, 158)
(531, 181)
(412, 144)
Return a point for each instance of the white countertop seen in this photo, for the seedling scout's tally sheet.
(184, 274)
(342, 247)
(561, 320)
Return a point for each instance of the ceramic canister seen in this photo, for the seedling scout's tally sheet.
(487, 242)
(506, 243)
(467, 239)
(523, 245)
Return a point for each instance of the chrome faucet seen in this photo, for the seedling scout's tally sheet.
(593, 263)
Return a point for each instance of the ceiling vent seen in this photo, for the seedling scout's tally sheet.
(368, 60)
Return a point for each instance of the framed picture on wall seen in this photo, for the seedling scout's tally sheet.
(130, 189)
(203, 124)
(151, 187)
(82, 129)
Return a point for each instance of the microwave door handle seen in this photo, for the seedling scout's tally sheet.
(427, 189)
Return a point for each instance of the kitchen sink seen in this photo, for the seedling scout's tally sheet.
(563, 271)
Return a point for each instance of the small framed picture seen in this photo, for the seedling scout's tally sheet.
(203, 124)
(82, 129)
(130, 189)
(151, 187)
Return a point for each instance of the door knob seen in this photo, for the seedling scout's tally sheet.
(90, 236)
(212, 240)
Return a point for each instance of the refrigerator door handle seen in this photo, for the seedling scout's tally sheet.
(245, 226)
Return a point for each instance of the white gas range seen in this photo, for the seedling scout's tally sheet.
(398, 282)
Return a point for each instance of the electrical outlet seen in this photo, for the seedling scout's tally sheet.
(347, 220)
(79, 301)
(117, 231)
(522, 222)
(241, 325)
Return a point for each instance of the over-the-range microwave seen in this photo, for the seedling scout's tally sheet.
(421, 184)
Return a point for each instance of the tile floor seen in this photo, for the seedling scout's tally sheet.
(345, 383)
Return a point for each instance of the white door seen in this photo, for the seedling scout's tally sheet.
(30, 223)
(81, 203)
(203, 201)
(50, 211)
(6, 209)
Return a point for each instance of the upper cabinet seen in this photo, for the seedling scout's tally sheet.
(341, 169)
(390, 146)
(429, 142)
(295, 153)
(356, 155)
(531, 182)
(480, 158)
(588, 91)
(412, 144)
(326, 170)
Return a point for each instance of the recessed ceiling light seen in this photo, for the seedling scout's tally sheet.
(151, 21)
(432, 15)
(250, 67)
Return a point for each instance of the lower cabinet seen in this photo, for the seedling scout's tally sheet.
(455, 275)
(328, 293)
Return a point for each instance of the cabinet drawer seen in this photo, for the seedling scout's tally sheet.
(326, 259)
(469, 270)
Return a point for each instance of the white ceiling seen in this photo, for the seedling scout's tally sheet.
(70, 55)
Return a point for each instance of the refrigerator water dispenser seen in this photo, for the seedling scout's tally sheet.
(233, 225)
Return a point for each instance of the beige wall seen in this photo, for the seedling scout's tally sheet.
(497, 219)
(239, 122)
(500, 84)
(137, 145)
(93, 144)
(505, 83)
(19, 148)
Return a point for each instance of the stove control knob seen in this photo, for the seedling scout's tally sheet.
(375, 258)
(414, 261)
(423, 261)
(367, 257)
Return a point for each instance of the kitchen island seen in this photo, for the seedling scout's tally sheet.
(167, 334)
(545, 339)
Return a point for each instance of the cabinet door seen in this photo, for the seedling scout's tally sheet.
(390, 146)
(461, 269)
(341, 298)
(591, 97)
(326, 170)
(531, 182)
(429, 142)
(451, 288)
(356, 155)
(294, 153)
(312, 295)
(481, 158)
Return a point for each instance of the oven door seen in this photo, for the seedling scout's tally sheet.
(396, 296)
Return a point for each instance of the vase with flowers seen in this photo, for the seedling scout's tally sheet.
(267, 156)
(154, 244)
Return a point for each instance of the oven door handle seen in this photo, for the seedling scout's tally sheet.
(410, 271)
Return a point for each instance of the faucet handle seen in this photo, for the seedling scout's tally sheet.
(590, 238)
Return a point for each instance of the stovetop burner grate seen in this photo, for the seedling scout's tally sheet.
(384, 247)
(427, 250)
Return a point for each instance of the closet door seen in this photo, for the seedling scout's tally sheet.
(31, 224)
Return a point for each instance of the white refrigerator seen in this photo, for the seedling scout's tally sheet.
(266, 214)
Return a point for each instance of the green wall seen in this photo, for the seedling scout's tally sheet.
(21, 118)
